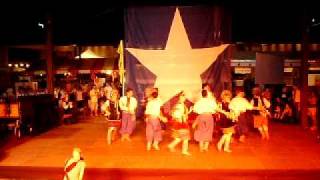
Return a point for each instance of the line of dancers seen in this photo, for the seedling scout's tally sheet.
(229, 114)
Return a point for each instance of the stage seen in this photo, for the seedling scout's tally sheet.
(291, 153)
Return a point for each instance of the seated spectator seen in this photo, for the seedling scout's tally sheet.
(277, 109)
(105, 108)
(287, 115)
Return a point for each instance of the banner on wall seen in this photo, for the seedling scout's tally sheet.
(188, 50)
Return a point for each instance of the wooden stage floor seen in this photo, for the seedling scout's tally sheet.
(291, 153)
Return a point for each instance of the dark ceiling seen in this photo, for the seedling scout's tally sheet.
(94, 23)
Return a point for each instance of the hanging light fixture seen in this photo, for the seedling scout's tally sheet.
(88, 54)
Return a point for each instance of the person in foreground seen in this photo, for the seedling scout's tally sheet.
(74, 167)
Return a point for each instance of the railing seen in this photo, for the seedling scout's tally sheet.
(10, 114)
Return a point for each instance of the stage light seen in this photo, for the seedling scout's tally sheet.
(108, 72)
(27, 65)
(16, 65)
(10, 65)
(41, 25)
(313, 20)
(21, 64)
(41, 74)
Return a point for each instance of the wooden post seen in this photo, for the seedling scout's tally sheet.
(5, 72)
(49, 50)
(304, 68)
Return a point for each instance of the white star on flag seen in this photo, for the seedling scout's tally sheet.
(178, 67)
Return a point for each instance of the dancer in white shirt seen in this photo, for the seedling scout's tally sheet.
(239, 105)
(128, 106)
(153, 118)
(180, 126)
(204, 124)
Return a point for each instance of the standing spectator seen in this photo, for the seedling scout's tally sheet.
(79, 98)
(101, 99)
(312, 110)
(296, 100)
(93, 103)
(317, 91)
(68, 109)
(107, 90)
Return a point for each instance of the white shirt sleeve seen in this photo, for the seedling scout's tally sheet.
(122, 103)
(215, 105)
(267, 103)
(249, 106)
(134, 103)
(196, 107)
(148, 108)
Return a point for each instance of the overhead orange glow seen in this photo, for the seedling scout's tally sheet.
(88, 54)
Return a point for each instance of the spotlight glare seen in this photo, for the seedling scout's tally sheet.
(108, 72)
(10, 65)
(41, 25)
(16, 65)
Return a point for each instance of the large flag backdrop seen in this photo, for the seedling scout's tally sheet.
(177, 49)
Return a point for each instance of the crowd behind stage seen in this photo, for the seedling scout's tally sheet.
(231, 114)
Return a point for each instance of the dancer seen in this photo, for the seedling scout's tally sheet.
(128, 106)
(226, 121)
(260, 113)
(180, 126)
(239, 105)
(205, 107)
(153, 117)
(114, 105)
